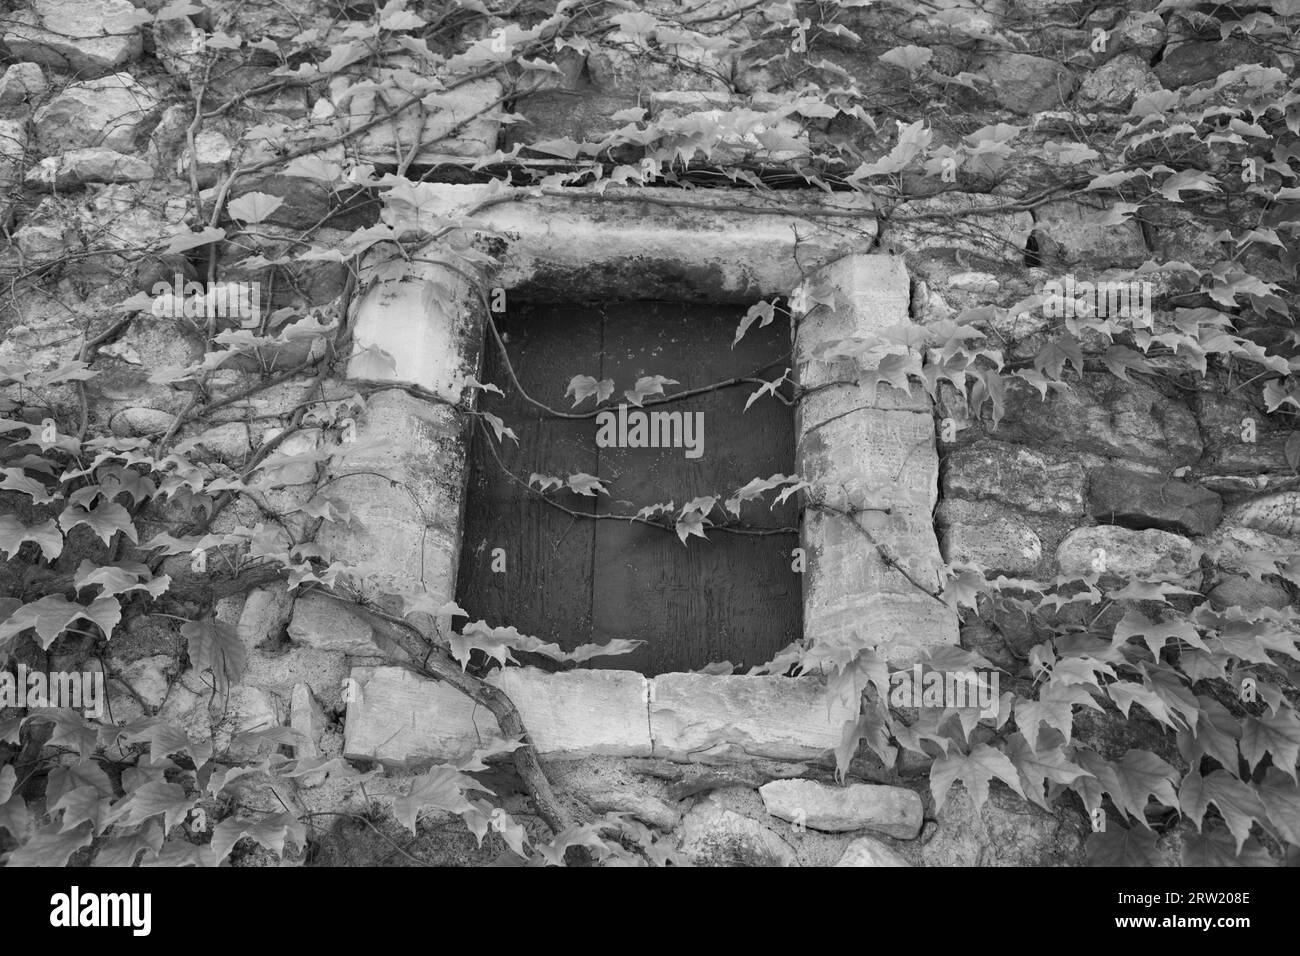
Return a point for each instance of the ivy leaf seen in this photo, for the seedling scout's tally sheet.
(187, 239)
(1126, 693)
(499, 427)
(1051, 358)
(586, 652)
(473, 383)
(1080, 670)
(14, 816)
(1121, 360)
(1217, 847)
(120, 577)
(271, 832)
(909, 58)
(1167, 684)
(149, 800)
(81, 805)
(1194, 180)
(1116, 215)
(767, 388)
(1292, 451)
(123, 850)
(176, 853)
(1155, 634)
(963, 587)
(1215, 734)
(1238, 803)
(974, 770)
(440, 788)
(218, 647)
(585, 484)
(1282, 801)
(105, 519)
(690, 523)
(1139, 589)
(51, 846)
(585, 836)
(1036, 767)
(13, 533)
(544, 482)
(1118, 845)
(254, 207)
(164, 739)
(1278, 735)
(1054, 708)
(911, 140)
(761, 312)
(1129, 782)
(1275, 395)
(872, 727)
(648, 385)
(52, 614)
(582, 387)
(14, 479)
(84, 773)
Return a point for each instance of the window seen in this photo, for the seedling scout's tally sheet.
(574, 580)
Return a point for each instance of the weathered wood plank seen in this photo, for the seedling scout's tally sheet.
(540, 581)
(730, 598)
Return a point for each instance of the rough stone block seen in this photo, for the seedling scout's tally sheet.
(86, 37)
(1104, 416)
(894, 811)
(988, 534)
(1127, 497)
(107, 112)
(325, 624)
(1107, 549)
(865, 851)
(1032, 480)
(455, 123)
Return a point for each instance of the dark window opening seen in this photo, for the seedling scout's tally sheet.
(575, 580)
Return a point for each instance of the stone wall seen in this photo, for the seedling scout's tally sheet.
(102, 161)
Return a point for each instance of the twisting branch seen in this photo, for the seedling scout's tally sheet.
(630, 519)
(885, 556)
(430, 659)
(664, 400)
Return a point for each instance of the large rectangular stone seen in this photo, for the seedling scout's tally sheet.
(402, 717)
(398, 718)
(419, 322)
(580, 713)
(873, 458)
(652, 243)
(702, 717)
(404, 485)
